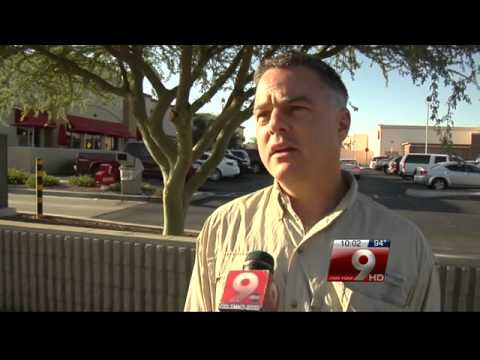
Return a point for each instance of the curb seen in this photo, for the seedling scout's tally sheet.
(75, 194)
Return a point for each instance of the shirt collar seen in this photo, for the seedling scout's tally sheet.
(282, 201)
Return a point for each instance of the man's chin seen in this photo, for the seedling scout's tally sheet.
(285, 172)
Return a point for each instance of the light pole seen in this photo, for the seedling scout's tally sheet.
(426, 125)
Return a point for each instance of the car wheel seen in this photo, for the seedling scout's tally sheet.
(439, 184)
(385, 169)
(256, 168)
(216, 176)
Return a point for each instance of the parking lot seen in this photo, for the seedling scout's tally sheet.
(448, 218)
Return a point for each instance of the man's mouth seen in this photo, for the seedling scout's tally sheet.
(281, 150)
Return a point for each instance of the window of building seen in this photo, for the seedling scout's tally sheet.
(111, 142)
(28, 136)
(93, 142)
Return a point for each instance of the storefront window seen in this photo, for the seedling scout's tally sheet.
(75, 141)
(93, 142)
(28, 136)
(111, 143)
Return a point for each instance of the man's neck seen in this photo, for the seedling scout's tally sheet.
(313, 200)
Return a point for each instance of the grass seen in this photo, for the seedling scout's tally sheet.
(82, 181)
(17, 177)
(47, 181)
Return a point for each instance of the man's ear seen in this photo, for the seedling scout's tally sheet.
(344, 120)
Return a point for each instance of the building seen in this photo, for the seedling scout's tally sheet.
(98, 126)
(356, 147)
(401, 139)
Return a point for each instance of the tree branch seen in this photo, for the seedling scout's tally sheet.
(74, 68)
(218, 83)
(242, 77)
(122, 53)
(159, 137)
(183, 90)
(207, 52)
(332, 52)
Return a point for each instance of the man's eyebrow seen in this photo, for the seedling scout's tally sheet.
(301, 98)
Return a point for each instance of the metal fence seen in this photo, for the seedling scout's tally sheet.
(55, 272)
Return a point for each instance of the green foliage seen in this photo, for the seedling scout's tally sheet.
(116, 187)
(47, 181)
(16, 177)
(148, 188)
(82, 181)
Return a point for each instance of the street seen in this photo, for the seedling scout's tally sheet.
(449, 222)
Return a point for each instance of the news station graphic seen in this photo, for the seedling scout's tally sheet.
(359, 260)
(251, 289)
(245, 290)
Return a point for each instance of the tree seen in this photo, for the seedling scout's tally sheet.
(200, 126)
(52, 78)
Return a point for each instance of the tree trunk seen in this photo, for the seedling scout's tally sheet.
(174, 211)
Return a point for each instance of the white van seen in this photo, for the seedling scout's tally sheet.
(410, 162)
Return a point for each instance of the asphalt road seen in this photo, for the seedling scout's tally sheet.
(450, 223)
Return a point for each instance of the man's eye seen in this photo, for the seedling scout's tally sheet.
(263, 116)
(296, 108)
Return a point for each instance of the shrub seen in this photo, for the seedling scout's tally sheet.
(47, 181)
(115, 187)
(146, 187)
(82, 181)
(17, 177)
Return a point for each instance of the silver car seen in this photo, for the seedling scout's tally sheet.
(449, 174)
(351, 166)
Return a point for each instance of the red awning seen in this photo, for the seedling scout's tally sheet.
(30, 120)
(93, 126)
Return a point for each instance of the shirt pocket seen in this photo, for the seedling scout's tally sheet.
(390, 295)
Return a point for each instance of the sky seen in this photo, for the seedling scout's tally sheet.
(399, 103)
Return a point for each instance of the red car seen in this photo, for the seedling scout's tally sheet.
(88, 162)
(150, 168)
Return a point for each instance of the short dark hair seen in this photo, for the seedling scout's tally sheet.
(325, 72)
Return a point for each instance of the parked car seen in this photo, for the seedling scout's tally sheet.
(256, 164)
(378, 162)
(394, 166)
(351, 166)
(410, 162)
(241, 157)
(226, 167)
(88, 162)
(449, 174)
(150, 167)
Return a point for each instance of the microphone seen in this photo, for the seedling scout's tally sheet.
(251, 289)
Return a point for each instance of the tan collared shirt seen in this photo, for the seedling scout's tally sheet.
(265, 220)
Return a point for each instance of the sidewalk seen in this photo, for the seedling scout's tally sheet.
(21, 189)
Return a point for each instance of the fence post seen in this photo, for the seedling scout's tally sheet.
(4, 209)
(39, 186)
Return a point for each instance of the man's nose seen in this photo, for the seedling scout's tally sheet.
(278, 122)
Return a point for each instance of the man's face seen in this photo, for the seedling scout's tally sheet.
(299, 126)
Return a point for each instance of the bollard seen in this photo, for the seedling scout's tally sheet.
(39, 186)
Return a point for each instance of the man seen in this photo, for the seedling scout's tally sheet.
(301, 121)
